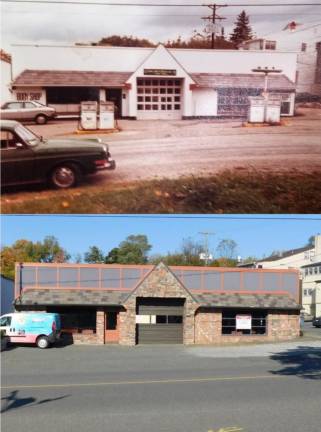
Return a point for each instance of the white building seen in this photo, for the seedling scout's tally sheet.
(305, 40)
(307, 259)
(151, 83)
(5, 77)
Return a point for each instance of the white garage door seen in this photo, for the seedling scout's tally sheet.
(159, 98)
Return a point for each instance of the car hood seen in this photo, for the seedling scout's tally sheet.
(70, 144)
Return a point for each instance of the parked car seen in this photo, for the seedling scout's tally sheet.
(317, 322)
(26, 111)
(38, 328)
(28, 158)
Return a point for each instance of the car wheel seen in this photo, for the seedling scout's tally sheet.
(42, 342)
(41, 119)
(65, 176)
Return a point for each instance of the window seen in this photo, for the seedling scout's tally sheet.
(238, 322)
(30, 105)
(303, 47)
(175, 319)
(310, 291)
(8, 140)
(14, 105)
(270, 45)
(76, 319)
(5, 321)
(161, 319)
(305, 292)
(111, 321)
(71, 95)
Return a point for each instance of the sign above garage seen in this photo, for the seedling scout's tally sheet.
(161, 72)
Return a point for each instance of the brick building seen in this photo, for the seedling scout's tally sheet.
(131, 304)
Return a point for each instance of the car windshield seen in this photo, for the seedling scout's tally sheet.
(27, 135)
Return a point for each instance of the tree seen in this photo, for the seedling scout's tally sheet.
(227, 249)
(94, 255)
(133, 250)
(23, 250)
(242, 30)
(124, 41)
(200, 41)
(311, 241)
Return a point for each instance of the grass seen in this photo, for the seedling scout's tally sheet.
(227, 192)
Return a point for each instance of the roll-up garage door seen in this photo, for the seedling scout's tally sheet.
(160, 323)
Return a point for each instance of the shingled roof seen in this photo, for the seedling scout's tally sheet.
(71, 297)
(251, 301)
(69, 78)
(85, 297)
(219, 80)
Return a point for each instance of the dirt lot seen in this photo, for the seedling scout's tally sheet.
(154, 150)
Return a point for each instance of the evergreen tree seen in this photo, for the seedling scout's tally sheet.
(94, 255)
(242, 30)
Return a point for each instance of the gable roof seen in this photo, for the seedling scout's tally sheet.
(70, 78)
(286, 254)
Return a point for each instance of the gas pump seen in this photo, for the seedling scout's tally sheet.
(88, 115)
(106, 115)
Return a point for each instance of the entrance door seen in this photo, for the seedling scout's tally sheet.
(111, 327)
(115, 95)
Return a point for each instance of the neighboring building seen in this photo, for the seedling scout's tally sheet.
(311, 288)
(151, 83)
(5, 75)
(129, 304)
(7, 295)
(305, 40)
(307, 259)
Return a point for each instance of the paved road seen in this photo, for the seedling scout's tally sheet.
(163, 388)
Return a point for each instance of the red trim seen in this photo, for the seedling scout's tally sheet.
(196, 291)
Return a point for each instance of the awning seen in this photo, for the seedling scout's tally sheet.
(50, 78)
(218, 80)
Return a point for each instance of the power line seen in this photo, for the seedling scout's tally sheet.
(160, 216)
(95, 3)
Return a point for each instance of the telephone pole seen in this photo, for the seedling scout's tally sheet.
(206, 251)
(212, 21)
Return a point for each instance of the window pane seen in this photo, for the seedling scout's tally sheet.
(161, 319)
(175, 319)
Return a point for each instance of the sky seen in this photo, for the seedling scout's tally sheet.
(254, 237)
(69, 23)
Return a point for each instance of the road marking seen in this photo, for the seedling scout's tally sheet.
(168, 381)
(229, 429)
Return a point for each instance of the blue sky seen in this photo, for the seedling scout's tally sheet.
(76, 234)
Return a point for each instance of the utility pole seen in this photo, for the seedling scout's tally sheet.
(206, 251)
(212, 21)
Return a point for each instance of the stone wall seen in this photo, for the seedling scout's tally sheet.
(159, 283)
(280, 326)
(88, 337)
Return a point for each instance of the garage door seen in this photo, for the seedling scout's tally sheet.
(159, 98)
(159, 324)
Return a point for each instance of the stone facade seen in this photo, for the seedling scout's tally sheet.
(88, 337)
(280, 326)
(159, 283)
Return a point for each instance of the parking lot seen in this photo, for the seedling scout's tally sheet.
(265, 388)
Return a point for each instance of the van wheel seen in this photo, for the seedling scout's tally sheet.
(42, 342)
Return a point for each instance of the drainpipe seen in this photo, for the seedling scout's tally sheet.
(20, 278)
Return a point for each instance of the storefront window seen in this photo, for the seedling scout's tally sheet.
(244, 322)
(71, 95)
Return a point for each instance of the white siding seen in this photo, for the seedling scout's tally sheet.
(205, 102)
(5, 78)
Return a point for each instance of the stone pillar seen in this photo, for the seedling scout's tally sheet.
(189, 323)
(100, 326)
(127, 326)
(208, 326)
(282, 325)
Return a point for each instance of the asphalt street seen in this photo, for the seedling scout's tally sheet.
(263, 388)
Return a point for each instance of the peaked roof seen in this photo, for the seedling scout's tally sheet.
(157, 267)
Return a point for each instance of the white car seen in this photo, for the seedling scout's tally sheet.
(26, 111)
